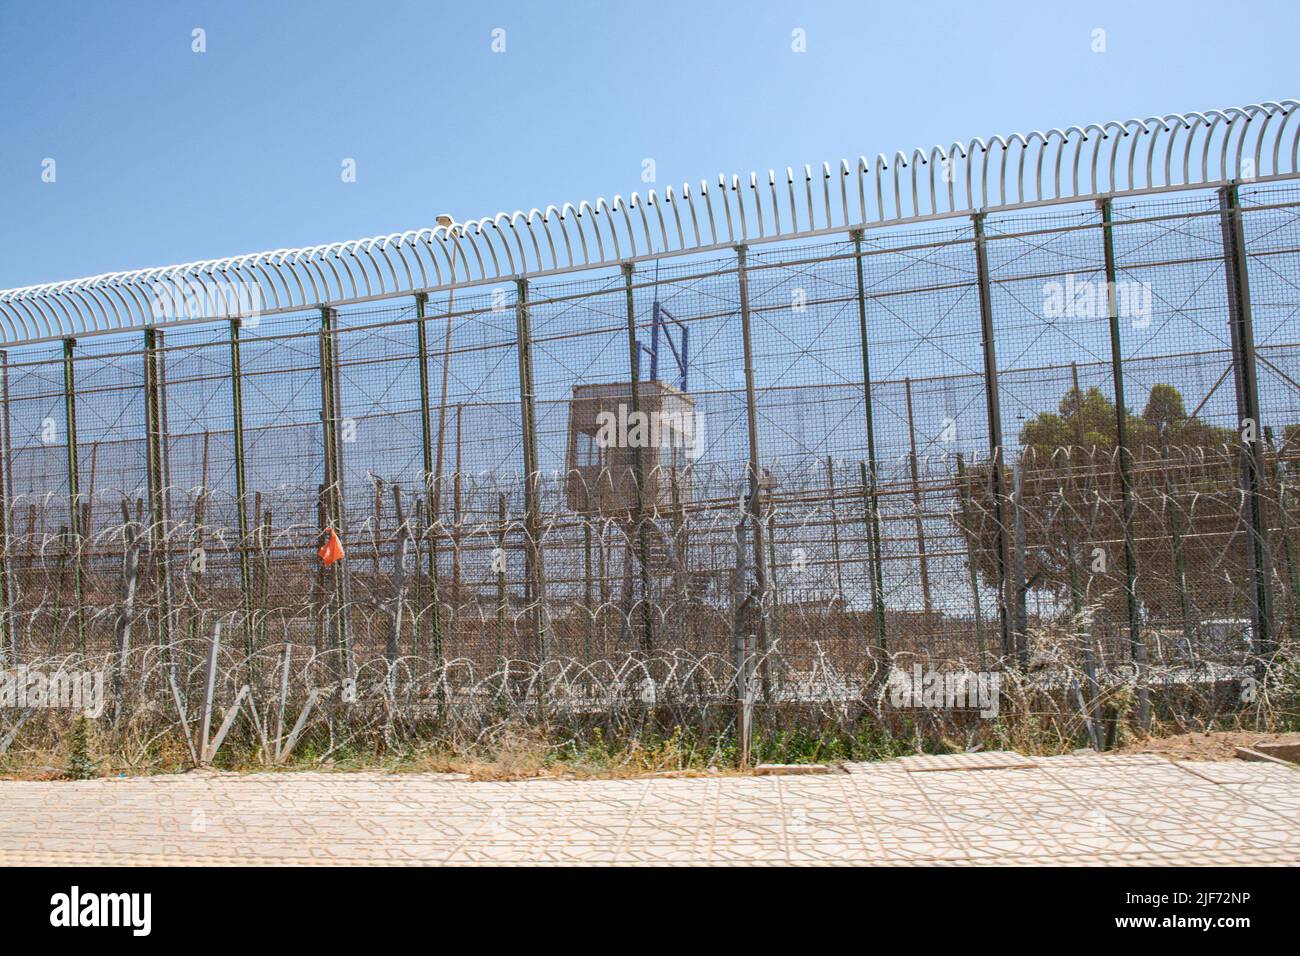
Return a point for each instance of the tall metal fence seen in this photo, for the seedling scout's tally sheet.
(943, 441)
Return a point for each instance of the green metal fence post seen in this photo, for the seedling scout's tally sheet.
(241, 485)
(1249, 426)
(638, 467)
(432, 509)
(156, 464)
(1137, 642)
(1012, 642)
(334, 503)
(74, 487)
(757, 486)
(535, 577)
(9, 644)
(872, 466)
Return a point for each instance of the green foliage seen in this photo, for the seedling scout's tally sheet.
(800, 746)
(81, 761)
(875, 742)
(1185, 476)
(1089, 420)
(1165, 410)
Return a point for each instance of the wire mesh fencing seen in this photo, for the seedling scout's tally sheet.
(1059, 446)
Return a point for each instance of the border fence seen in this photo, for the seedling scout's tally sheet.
(1060, 433)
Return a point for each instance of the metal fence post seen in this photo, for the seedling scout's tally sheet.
(1012, 643)
(431, 507)
(927, 601)
(535, 578)
(457, 514)
(588, 588)
(156, 463)
(971, 564)
(1278, 479)
(334, 504)
(1176, 541)
(756, 484)
(1137, 643)
(1249, 427)
(241, 483)
(638, 465)
(74, 487)
(9, 649)
(873, 468)
(835, 530)
(263, 578)
(774, 567)
(499, 561)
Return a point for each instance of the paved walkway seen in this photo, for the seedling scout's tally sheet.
(982, 809)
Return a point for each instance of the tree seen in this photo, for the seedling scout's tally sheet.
(1187, 511)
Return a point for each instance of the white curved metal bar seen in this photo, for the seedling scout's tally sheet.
(563, 216)
(591, 216)
(1254, 143)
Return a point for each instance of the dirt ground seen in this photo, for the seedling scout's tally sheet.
(1220, 745)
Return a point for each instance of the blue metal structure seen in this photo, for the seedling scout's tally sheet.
(663, 321)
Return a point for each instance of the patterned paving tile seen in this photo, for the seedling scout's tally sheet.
(984, 760)
(1078, 809)
(1239, 771)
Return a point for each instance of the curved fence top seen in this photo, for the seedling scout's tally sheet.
(1256, 143)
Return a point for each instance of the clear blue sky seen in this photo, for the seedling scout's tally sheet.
(165, 155)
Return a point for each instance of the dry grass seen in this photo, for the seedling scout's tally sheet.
(489, 728)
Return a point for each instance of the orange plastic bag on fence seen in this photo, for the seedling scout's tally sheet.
(331, 550)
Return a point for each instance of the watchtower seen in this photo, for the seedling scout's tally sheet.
(606, 433)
